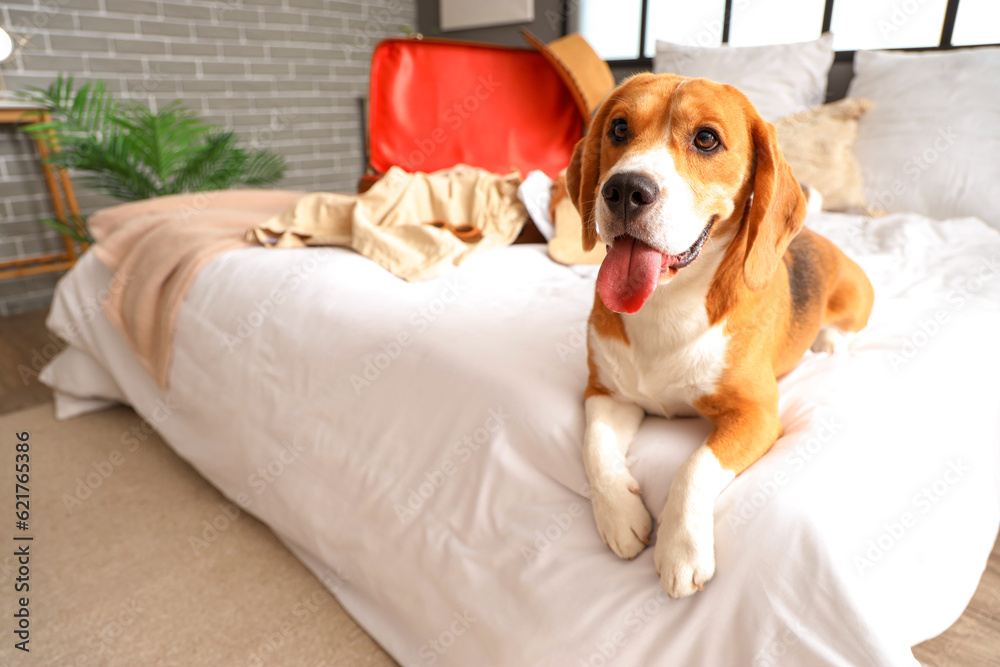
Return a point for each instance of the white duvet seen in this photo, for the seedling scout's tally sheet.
(419, 447)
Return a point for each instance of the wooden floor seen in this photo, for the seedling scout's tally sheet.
(973, 641)
(25, 347)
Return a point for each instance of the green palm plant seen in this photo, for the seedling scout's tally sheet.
(128, 152)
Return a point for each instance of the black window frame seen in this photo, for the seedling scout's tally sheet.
(947, 29)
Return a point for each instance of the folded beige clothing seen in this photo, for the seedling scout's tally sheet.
(387, 223)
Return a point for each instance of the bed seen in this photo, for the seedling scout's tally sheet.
(417, 446)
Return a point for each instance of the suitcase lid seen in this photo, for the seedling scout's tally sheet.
(437, 103)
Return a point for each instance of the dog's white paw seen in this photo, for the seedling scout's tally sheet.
(829, 340)
(685, 559)
(622, 520)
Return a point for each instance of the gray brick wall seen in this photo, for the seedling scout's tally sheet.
(286, 75)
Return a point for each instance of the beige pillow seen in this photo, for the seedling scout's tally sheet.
(819, 145)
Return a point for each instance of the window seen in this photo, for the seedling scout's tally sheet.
(978, 22)
(696, 23)
(612, 27)
(761, 22)
(628, 29)
(887, 24)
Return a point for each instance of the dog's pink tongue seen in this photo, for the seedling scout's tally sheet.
(628, 275)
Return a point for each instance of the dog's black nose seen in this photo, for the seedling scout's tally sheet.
(627, 193)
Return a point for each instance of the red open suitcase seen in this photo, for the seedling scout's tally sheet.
(435, 103)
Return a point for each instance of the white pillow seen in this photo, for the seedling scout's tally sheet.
(780, 80)
(931, 142)
(80, 384)
(69, 406)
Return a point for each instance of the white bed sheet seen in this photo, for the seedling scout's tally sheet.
(864, 531)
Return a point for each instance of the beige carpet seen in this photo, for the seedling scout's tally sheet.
(116, 578)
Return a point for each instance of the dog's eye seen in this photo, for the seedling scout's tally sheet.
(706, 140)
(619, 130)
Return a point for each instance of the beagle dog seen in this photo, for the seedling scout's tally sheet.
(710, 290)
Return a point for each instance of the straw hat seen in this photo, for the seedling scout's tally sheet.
(588, 77)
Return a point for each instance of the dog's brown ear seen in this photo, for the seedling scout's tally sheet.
(778, 209)
(582, 175)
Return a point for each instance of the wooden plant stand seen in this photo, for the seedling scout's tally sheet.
(54, 178)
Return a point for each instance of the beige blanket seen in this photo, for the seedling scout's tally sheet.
(157, 247)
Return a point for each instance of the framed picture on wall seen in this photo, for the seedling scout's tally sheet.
(461, 14)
